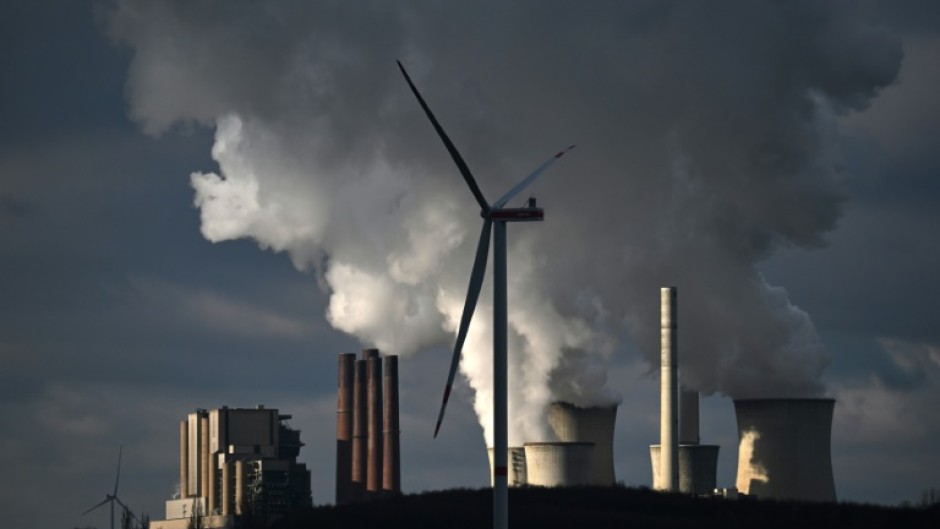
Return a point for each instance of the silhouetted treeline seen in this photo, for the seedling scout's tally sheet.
(605, 507)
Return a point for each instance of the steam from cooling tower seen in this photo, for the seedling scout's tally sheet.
(704, 144)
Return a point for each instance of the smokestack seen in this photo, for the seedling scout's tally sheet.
(374, 399)
(344, 427)
(184, 459)
(391, 474)
(688, 417)
(592, 425)
(784, 448)
(358, 466)
(668, 423)
(204, 458)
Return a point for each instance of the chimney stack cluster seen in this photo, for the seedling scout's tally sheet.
(367, 432)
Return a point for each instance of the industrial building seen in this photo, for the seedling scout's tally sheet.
(784, 448)
(237, 465)
(368, 458)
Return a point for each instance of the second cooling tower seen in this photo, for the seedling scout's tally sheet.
(784, 449)
(595, 425)
(559, 464)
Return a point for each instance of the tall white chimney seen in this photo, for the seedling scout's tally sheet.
(669, 402)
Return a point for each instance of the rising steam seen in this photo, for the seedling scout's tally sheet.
(704, 144)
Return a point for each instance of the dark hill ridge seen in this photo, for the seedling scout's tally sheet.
(605, 507)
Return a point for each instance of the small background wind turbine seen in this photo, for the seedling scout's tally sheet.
(113, 497)
(495, 217)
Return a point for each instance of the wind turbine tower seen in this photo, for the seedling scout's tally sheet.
(495, 217)
(113, 497)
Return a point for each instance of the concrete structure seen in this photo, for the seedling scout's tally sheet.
(373, 462)
(559, 464)
(595, 425)
(374, 404)
(679, 462)
(669, 412)
(360, 429)
(344, 427)
(205, 468)
(784, 448)
(235, 462)
(698, 463)
(225, 507)
(391, 457)
(516, 462)
(184, 459)
(698, 468)
(688, 416)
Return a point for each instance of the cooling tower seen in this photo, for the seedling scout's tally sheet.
(784, 448)
(559, 464)
(572, 424)
(516, 471)
(688, 416)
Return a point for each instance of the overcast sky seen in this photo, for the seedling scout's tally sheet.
(201, 204)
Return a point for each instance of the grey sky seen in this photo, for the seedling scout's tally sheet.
(117, 316)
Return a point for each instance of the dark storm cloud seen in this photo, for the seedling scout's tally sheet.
(709, 136)
(13, 209)
(708, 140)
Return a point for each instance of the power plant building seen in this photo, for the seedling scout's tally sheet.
(237, 464)
(784, 448)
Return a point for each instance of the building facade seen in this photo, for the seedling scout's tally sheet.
(237, 465)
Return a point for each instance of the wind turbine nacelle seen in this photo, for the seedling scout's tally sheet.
(517, 215)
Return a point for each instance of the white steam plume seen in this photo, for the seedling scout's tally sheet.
(703, 134)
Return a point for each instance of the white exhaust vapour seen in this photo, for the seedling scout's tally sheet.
(704, 144)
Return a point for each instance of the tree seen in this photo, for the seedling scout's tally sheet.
(196, 518)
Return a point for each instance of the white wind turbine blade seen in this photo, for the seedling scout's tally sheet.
(473, 293)
(528, 180)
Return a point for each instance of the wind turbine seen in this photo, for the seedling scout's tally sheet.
(495, 217)
(113, 497)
